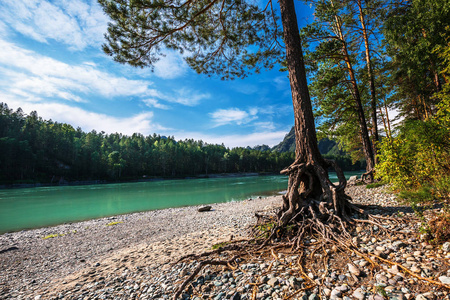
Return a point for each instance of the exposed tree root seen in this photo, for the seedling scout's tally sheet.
(227, 263)
(368, 177)
(313, 207)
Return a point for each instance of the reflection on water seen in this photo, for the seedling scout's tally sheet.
(44, 206)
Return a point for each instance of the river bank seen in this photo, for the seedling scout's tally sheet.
(131, 257)
(64, 182)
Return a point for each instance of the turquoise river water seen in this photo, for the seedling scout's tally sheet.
(45, 206)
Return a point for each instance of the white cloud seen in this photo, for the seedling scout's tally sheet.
(75, 23)
(265, 125)
(171, 66)
(41, 75)
(187, 97)
(233, 115)
(270, 138)
(155, 103)
(77, 117)
(281, 83)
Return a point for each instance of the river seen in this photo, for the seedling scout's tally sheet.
(45, 206)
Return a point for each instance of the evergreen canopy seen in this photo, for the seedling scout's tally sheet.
(226, 38)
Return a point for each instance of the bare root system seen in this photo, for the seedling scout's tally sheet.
(316, 220)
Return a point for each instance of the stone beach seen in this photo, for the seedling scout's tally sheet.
(133, 257)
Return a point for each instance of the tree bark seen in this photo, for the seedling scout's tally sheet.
(371, 81)
(308, 176)
(365, 140)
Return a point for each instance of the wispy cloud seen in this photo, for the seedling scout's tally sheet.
(87, 120)
(171, 66)
(188, 97)
(74, 23)
(44, 76)
(233, 116)
(268, 137)
(265, 125)
(155, 103)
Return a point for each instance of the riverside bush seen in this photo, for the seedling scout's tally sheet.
(419, 155)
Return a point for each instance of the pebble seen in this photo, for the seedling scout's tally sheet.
(274, 278)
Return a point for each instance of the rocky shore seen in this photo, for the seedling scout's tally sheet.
(132, 257)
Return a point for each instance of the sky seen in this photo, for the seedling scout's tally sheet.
(51, 62)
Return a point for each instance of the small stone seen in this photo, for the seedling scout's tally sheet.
(293, 283)
(415, 269)
(446, 247)
(343, 288)
(236, 296)
(444, 279)
(273, 282)
(326, 292)
(421, 297)
(398, 244)
(354, 270)
(335, 293)
(394, 270)
(342, 277)
(219, 296)
(358, 294)
(313, 297)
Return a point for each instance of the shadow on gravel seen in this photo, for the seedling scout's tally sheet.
(386, 210)
(8, 249)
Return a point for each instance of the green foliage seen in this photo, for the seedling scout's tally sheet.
(220, 245)
(413, 30)
(375, 185)
(216, 37)
(417, 156)
(419, 199)
(37, 150)
(417, 161)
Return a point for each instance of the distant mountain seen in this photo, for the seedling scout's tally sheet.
(262, 148)
(288, 143)
(326, 146)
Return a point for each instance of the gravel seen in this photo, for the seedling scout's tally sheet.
(135, 258)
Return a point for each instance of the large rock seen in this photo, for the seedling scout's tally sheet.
(204, 208)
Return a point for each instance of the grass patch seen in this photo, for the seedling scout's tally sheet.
(219, 245)
(114, 223)
(375, 185)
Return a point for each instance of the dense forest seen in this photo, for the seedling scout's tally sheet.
(33, 149)
(40, 150)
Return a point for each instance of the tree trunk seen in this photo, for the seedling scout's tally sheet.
(371, 81)
(365, 140)
(308, 176)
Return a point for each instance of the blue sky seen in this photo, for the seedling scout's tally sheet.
(51, 61)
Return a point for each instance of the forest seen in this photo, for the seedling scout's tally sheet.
(44, 151)
(37, 150)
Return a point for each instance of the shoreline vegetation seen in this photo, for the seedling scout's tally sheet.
(135, 255)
